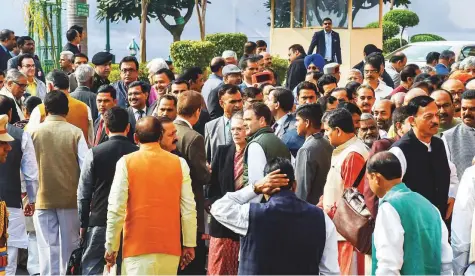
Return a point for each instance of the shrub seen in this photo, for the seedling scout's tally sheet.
(115, 72)
(426, 37)
(280, 65)
(189, 53)
(228, 41)
(390, 29)
(392, 45)
(403, 18)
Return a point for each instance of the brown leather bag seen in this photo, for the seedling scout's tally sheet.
(352, 218)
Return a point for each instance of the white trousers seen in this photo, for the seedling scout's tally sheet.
(12, 260)
(33, 264)
(57, 232)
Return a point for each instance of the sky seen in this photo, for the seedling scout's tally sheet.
(449, 18)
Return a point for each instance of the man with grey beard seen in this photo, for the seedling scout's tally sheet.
(368, 131)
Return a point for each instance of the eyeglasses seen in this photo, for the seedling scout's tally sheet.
(28, 66)
(22, 86)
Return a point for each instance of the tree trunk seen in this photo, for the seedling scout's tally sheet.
(200, 19)
(143, 32)
(400, 39)
(73, 19)
(176, 33)
(391, 5)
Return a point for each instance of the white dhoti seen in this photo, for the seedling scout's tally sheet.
(57, 232)
(151, 264)
(17, 238)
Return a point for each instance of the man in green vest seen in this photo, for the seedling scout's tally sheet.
(410, 237)
(262, 144)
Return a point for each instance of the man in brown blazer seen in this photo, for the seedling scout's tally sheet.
(191, 145)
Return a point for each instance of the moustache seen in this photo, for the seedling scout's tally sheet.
(434, 125)
(443, 115)
(469, 117)
(175, 141)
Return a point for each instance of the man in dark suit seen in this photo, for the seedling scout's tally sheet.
(280, 103)
(138, 92)
(94, 188)
(192, 146)
(327, 42)
(27, 46)
(7, 43)
(369, 49)
(84, 75)
(231, 75)
(105, 100)
(74, 38)
(297, 70)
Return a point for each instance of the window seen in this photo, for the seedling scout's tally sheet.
(365, 12)
(299, 10)
(281, 14)
(317, 10)
(467, 52)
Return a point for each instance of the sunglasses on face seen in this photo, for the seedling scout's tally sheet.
(23, 86)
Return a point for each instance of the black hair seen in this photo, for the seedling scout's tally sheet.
(349, 95)
(2, 73)
(408, 72)
(423, 85)
(167, 72)
(217, 64)
(436, 80)
(249, 47)
(169, 62)
(468, 95)
(129, 59)
(251, 92)
(422, 77)
(414, 104)
(245, 62)
(56, 103)
(6, 104)
(78, 28)
(228, 89)
(181, 81)
(71, 34)
(340, 118)
(150, 134)
(169, 97)
(397, 57)
(59, 79)
(22, 40)
(80, 55)
(399, 115)
(327, 19)
(298, 47)
(143, 85)
(285, 167)
(31, 102)
(376, 60)
(5, 34)
(386, 164)
(446, 54)
(325, 80)
(432, 56)
(352, 87)
(261, 43)
(326, 99)
(365, 86)
(307, 85)
(23, 56)
(116, 119)
(351, 107)
(312, 112)
(191, 74)
(107, 88)
(261, 110)
(284, 97)
(370, 48)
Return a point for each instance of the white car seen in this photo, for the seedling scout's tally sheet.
(416, 52)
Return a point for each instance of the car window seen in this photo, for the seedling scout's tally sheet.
(468, 51)
(419, 52)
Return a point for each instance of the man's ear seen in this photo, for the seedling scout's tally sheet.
(136, 139)
(411, 120)
(294, 186)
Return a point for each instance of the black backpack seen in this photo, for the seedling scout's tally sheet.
(74, 263)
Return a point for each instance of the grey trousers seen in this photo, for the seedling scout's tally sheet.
(94, 250)
(57, 232)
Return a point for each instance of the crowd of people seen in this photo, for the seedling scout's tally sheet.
(232, 173)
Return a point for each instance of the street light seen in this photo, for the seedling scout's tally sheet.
(133, 48)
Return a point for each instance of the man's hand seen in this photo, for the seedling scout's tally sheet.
(271, 183)
(209, 167)
(110, 259)
(29, 209)
(187, 256)
(450, 207)
(82, 234)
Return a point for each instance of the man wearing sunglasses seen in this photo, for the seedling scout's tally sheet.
(14, 88)
(327, 42)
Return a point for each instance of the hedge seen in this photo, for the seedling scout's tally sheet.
(392, 45)
(280, 65)
(115, 73)
(403, 18)
(426, 37)
(390, 29)
(228, 41)
(189, 53)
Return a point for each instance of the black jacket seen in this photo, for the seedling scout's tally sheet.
(318, 40)
(296, 72)
(386, 77)
(4, 57)
(70, 47)
(215, 110)
(222, 181)
(200, 125)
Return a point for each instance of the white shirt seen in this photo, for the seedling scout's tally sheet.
(454, 182)
(280, 122)
(382, 91)
(4, 91)
(462, 223)
(29, 166)
(382, 134)
(137, 113)
(256, 162)
(389, 243)
(232, 210)
(328, 45)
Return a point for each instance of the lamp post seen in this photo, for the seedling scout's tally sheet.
(133, 48)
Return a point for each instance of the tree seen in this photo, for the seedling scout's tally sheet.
(404, 18)
(390, 29)
(201, 13)
(74, 19)
(143, 32)
(160, 10)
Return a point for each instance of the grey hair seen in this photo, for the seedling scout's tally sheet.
(237, 115)
(355, 71)
(69, 55)
(469, 62)
(455, 66)
(426, 69)
(228, 54)
(14, 75)
(366, 117)
(84, 73)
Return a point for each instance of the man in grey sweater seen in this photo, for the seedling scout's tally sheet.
(314, 157)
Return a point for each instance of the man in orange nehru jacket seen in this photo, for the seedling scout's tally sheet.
(151, 189)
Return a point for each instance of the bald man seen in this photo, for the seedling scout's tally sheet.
(151, 218)
(445, 104)
(267, 59)
(414, 92)
(469, 86)
(456, 88)
(383, 110)
(216, 78)
(398, 99)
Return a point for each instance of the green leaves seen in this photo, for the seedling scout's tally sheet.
(403, 18)
(426, 37)
(189, 53)
(228, 41)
